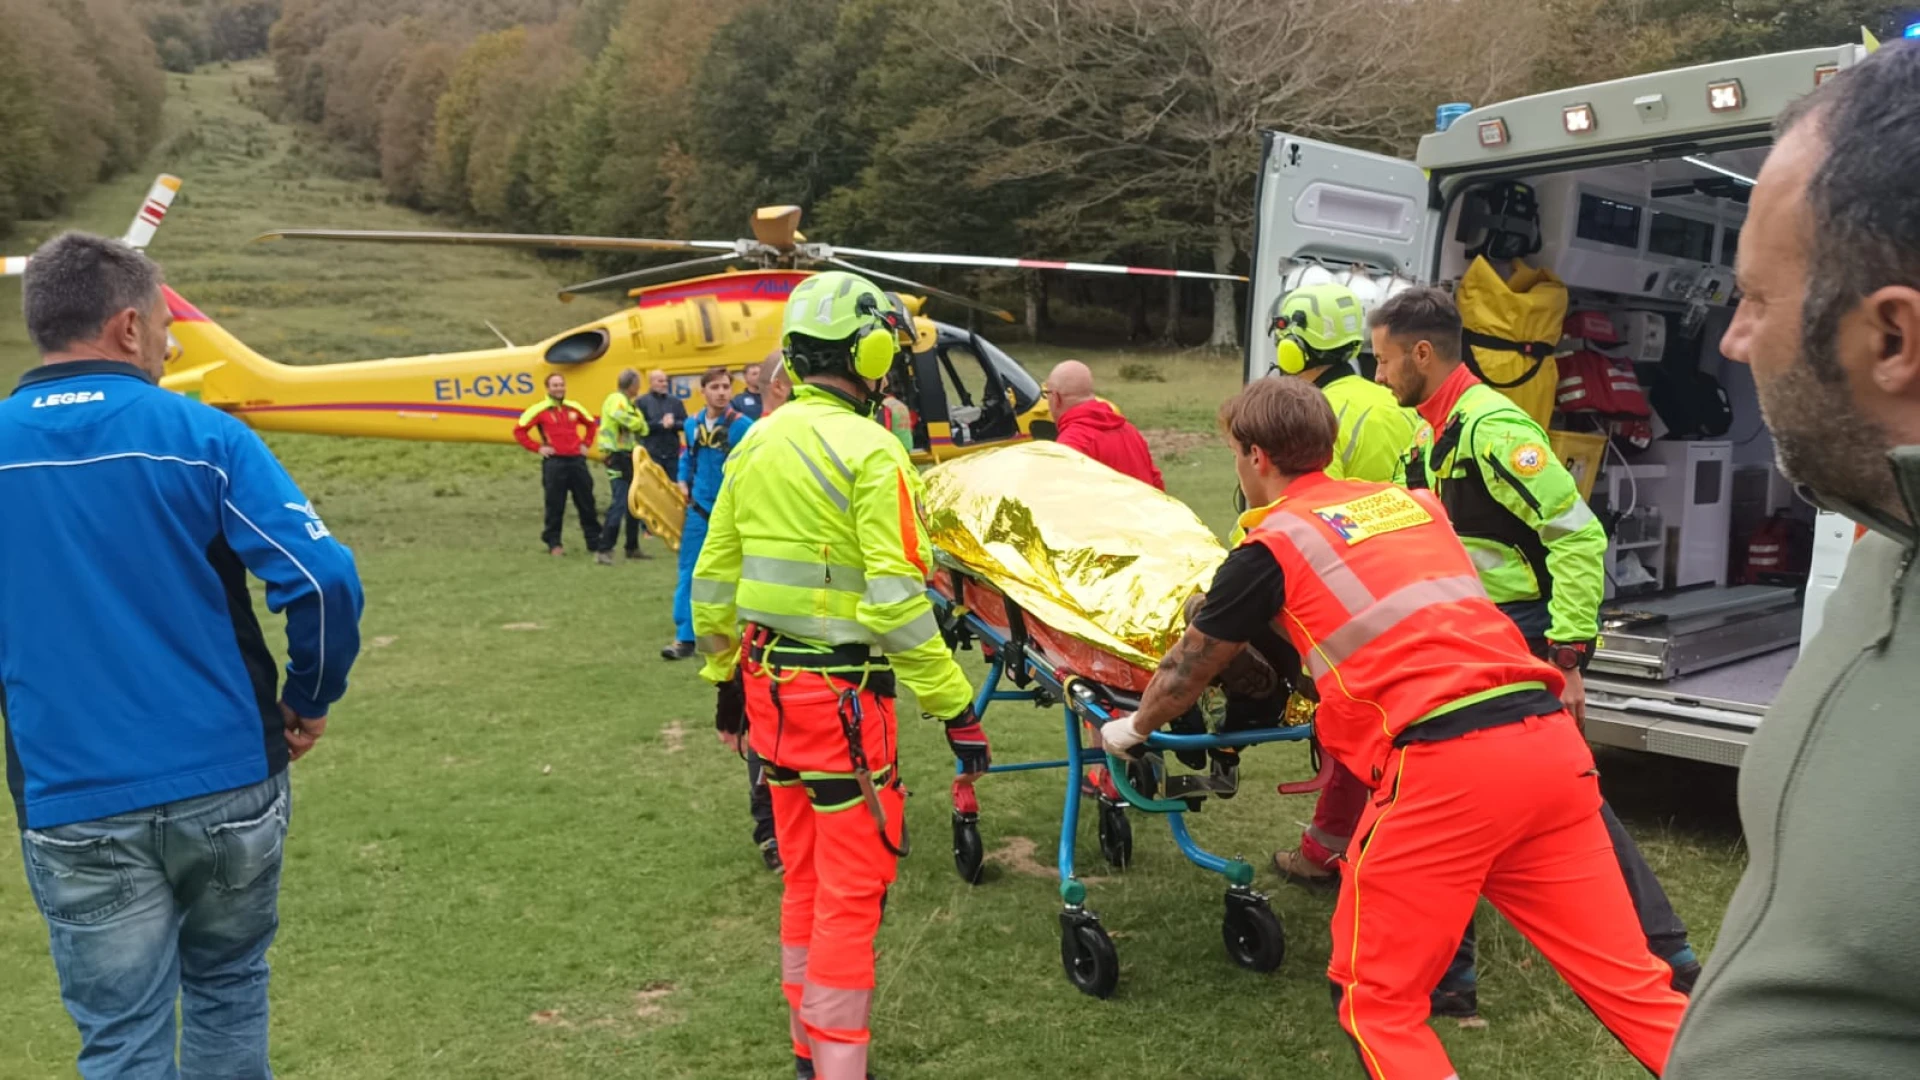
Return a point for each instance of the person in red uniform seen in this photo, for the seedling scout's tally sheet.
(566, 430)
(1090, 425)
(1482, 783)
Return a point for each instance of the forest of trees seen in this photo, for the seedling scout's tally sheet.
(1087, 129)
(188, 33)
(81, 85)
(80, 96)
(1121, 130)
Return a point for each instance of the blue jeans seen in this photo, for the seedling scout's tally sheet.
(174, 901)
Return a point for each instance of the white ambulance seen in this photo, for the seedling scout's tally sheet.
(1639, 189)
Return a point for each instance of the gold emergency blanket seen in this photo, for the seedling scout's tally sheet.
(1094, 554)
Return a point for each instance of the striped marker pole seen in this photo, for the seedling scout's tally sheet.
(146, 221)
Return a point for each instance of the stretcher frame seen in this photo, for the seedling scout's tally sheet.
(1252, 934)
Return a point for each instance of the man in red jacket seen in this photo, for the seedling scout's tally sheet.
(1090, 425)
(566, 430)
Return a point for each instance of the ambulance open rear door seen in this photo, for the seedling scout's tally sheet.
(1336, 207)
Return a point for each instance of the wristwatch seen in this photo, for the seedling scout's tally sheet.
(1569, 657)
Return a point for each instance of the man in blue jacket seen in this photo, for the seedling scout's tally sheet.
(147, 731)
(710, 438)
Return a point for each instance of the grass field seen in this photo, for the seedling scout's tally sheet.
(519, 853)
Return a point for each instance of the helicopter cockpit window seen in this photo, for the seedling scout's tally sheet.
(980, 400)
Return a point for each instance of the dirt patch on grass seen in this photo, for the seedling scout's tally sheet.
(1019, 855)
(1168, 442)
(675, 736)
(520, 626)
(647, 1002)
(650, 1009)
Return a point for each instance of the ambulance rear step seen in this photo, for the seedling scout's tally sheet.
(1638, 716)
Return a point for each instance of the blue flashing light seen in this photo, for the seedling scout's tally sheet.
(1445, 115)
(1912, 30)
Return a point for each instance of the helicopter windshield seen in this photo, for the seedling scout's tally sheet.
(984, 390)
(1026, 391)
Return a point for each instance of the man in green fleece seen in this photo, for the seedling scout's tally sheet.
(1817, 969)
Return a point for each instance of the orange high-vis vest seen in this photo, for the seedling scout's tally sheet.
(1387, 614)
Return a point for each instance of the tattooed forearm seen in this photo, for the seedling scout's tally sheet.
(1184, 673)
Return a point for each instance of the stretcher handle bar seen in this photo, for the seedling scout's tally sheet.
(1166, 740)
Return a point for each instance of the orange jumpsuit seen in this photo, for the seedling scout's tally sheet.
(1481, 783)
(838, 868)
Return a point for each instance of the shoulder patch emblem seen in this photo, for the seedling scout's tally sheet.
(1528, 459)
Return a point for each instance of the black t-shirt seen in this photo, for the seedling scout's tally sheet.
(1247, 592)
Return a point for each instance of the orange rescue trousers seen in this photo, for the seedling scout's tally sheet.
(838, 868)
(1512, 813)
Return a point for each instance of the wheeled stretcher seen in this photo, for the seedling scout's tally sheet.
(1032, 662)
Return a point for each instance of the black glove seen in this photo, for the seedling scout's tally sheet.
(730, 707)
(969, 742)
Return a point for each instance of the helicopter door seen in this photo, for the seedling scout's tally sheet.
(980, 404)
(1319, 202)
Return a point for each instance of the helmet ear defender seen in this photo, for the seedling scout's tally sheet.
(876, 344)
(1289, 351)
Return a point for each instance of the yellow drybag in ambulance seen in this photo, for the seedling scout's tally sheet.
(1512, 330)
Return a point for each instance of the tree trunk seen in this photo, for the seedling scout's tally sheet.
(1172, 332)
(1137, 328)
(1039, 319)
(1226, 309)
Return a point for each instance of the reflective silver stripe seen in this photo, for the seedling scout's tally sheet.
(709, 591)
(1572, 521)
(835, 1009)
(1335, 844)
(1360, 631)
(833, 493)
(714, 644)
(833, 457)
(820, 629)
(892, 590)
(802, 574)
(916, 633)
(793, 964)
(1327, 564)
(1353, 440)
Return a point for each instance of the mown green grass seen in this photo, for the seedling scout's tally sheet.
(519, 853)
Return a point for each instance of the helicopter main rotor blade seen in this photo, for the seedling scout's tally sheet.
(1003, 316)
(931, 258)
(519, 240)
(631, 277)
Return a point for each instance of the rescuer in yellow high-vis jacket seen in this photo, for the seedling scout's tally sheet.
(812, 581)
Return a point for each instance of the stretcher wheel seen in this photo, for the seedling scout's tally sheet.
(968, 853)
(1252, 933)
(1087, 954)
(1116, 834)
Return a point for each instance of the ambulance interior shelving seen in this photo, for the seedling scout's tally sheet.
(1632, 193)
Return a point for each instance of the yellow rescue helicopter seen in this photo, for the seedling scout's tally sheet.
(964, 392)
